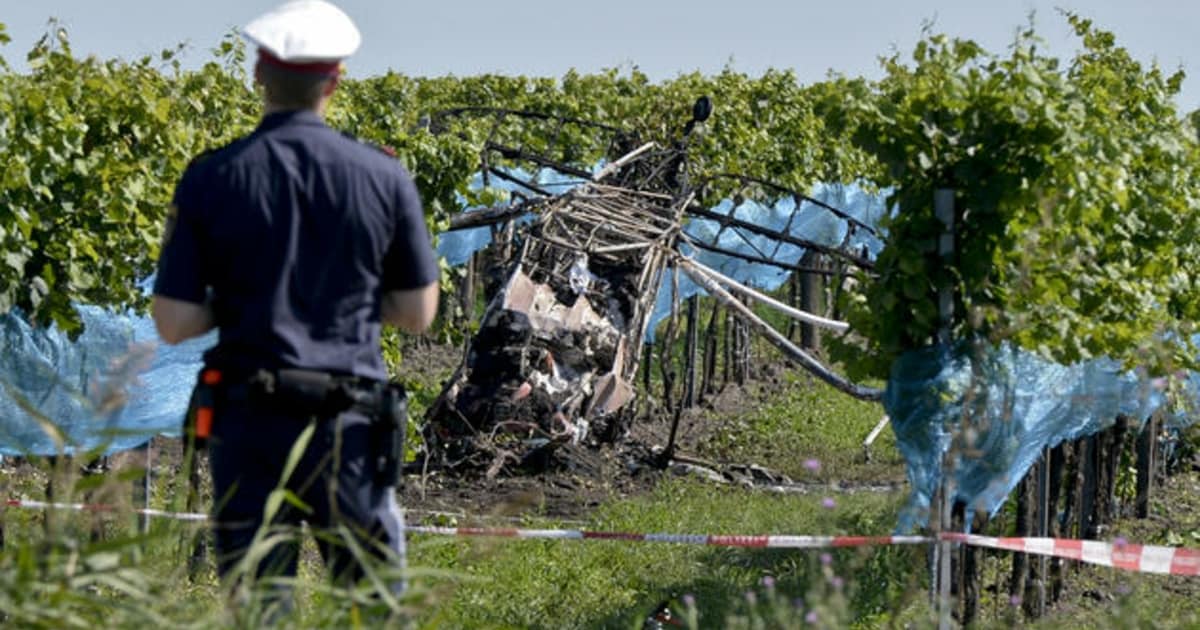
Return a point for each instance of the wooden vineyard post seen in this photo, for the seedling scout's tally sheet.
(466, 290)
(794, 290)
(1079, 501)
(811, 291)
(943, 208)
(1018, 587)
(1088, 456)
(727, 350)
(689, 375)
(1115, 446)
(198, 557)
(1147, 455)
(693, 339)
(142, 486)
(647, 362)
(1058, 467)
(972, 561)
(742, 331)
(666, 352)
(710, 351)
(1035, 596)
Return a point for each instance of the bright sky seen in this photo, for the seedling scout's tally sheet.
(661, 37)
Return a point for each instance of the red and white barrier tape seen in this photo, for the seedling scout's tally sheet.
(1128, 556)
(774, 542)
(1121, 555)
(91, 507)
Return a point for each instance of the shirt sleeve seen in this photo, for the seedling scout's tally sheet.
(179, 267)
(410, 262)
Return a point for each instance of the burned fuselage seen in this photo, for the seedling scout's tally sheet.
(558, 346)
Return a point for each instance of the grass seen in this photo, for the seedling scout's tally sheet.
(797, 420)
(544, 584)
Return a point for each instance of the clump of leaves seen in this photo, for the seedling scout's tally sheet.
(1077, 190)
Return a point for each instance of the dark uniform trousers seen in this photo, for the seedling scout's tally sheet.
(248, 451)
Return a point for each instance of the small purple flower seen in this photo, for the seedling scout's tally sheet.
(768, 582)
(826, 559)
(751, 598)
(1124, 589)
(837, 582)
(1014, 601)
(812, 465)
(689, 600)
(811, 617)
(1119, 542)
(828, 503)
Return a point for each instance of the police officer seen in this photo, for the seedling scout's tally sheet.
(296, 243)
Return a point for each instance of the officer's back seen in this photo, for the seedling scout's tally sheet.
(297, 220)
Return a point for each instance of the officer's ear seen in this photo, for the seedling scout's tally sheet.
(330, 86)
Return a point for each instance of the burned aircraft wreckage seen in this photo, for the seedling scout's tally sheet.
(576, 275)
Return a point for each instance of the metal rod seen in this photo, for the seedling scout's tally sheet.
(790, 311)
(774, 336)
(622, 161)
(756, 259)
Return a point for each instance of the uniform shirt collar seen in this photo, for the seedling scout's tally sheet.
(292, 117)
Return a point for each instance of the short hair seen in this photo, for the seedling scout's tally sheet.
(291, 89)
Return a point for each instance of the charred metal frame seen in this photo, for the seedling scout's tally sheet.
(590, 264)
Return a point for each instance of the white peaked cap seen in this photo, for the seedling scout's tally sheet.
(304, 31)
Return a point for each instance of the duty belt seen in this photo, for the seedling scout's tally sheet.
(301, 392)
(309, 393)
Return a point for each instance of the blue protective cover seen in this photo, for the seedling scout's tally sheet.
(111, 389)
(1004, 405)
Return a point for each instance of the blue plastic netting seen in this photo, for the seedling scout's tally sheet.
(1007, 405)
(111, 389)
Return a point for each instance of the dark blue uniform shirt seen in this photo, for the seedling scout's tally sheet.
(296, 232)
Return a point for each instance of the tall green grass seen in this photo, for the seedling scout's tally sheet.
(556, 584)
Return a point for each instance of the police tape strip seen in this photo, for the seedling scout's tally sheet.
(1121, 555)
(93, 507)
(1118, 554)
(766, 541)
(187, 516)
(1127, 556)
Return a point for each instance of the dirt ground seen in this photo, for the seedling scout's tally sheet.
(581, 477)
